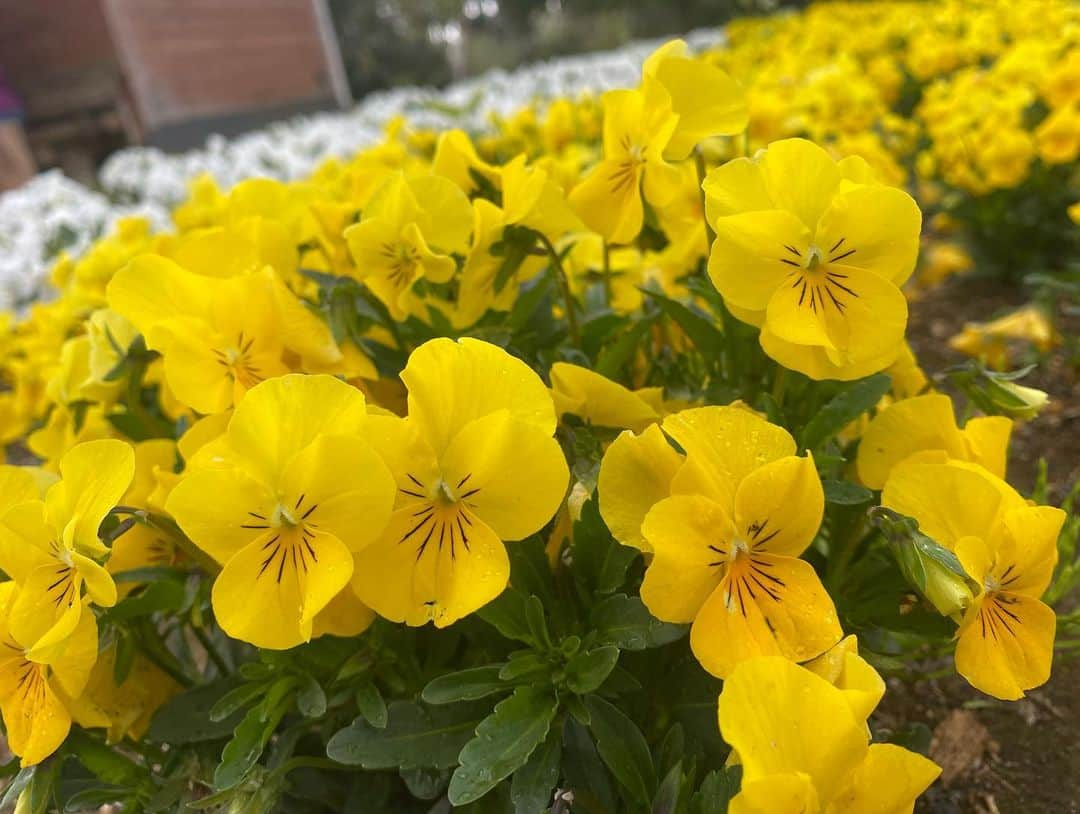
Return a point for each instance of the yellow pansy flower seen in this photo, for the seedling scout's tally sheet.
(813, 257)
(725, 544)
(282, 500)
(707, 101)
(805, 751)
(638, 124)
(145, 546)
(926, 424)
(598, 400)
(531, 198)
(36, 688)
(124, 709)
(989, 341)
(475, 464)
(476, 293)
(1009, 548)
(51, 548)
(408, 232)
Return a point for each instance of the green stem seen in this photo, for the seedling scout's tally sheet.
(564, 287)
(607, 274)
(699, 162)
(779, 385)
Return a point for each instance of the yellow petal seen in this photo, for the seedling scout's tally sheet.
(777, 794)
(94, 476)
(345, 616)
(17, 485)
(880, 224)
(1026, 552)
(35, 718)
(779, 506)
(690, 537)
(270, 591)
(596, 398)
(766, 605)
(987, 441)
(707, 101)
(887, 781)
(904, 428)
(152, 289)
(483, 468)
(25, 540)
(822, 362)
(406, 579)
(341, 486)
(47, 610)
(452, 383)
(635, 474)
(761, 703)
(723, 445)
(1006, 645)
(949, 502)
(737, 186)
(282, 416)
(221, 510)
(801, 177)
(608, 200)
(753, 254)
(844, 668)
(99, 583)
(446, 216)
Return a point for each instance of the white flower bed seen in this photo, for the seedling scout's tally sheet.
(53, 213)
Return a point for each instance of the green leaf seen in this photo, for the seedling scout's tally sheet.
(716, 791)
(163, 595)
(623, 749)
(426, 784)
(522, 664)
(846, 493)
(507, 614)
(247, 744)
(616, 355)
(625, 622)
(707, 338)
(370, 703)
(586, 671)
(536, 618)
(183, 719)
(667, 796)
(503, 743)
(104, 762)
(533, 784)
(414, 737)
(93, 799)
(311, 699)
(235, 700)
(844, 408)
(584, 771)
(464, 685)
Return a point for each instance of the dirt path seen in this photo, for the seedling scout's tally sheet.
(1000, 758)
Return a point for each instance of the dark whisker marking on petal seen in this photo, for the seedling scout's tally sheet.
(775, 597)
(414, 480)
(299, 500)
(790, 262)
(842, 287)
(415, 528)
(848, 253)
(793, 250)
(469, 494)
(836, 245)
(463, 480)
(766, 539)
(270, 542)
(306, 514)
(253, 526)
(411, 494)
(256, 515)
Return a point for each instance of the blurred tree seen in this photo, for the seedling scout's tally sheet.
(431, 42)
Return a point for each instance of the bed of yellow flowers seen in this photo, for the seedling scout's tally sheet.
(578, 465)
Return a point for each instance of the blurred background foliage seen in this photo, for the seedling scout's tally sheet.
(385, 43)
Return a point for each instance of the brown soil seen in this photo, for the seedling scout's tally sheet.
(1000, 757)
